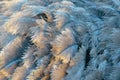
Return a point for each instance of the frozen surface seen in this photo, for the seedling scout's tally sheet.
(59, 39)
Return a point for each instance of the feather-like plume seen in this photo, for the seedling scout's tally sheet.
(62, 41)
(38, 12)
(38, 71)
(61, 18)
(11, 6)
(59, 72)
(33, 10)
(68, 54)
(9, 52)
(8, 70)
(25, 68)
(40, 40)
(5, 38)
(19, 24)
(67, 3)
(79, 64)
(80, 55)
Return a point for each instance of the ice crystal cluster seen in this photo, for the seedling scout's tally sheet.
(59, 39)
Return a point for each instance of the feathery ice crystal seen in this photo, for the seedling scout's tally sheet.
(59, 39)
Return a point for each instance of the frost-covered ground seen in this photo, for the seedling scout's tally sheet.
(59, 39)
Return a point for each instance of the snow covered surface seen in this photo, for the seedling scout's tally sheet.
(59, 39)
